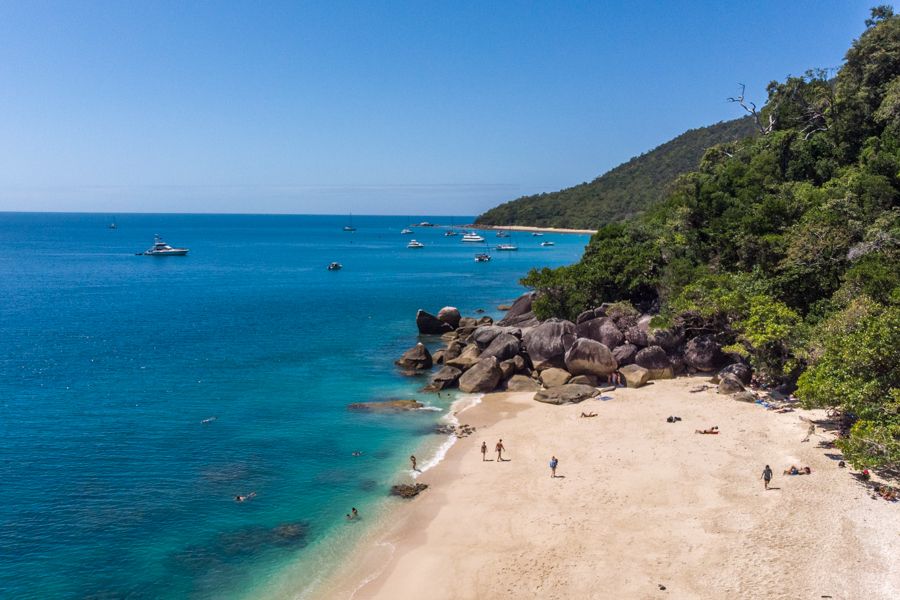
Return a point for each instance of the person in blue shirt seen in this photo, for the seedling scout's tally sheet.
(553, 463)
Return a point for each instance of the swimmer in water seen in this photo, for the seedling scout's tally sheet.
(209, 420)
(249, 496)
(357, 453)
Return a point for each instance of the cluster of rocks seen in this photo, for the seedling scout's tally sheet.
(459, 431)
(408, 490)
(560, 360)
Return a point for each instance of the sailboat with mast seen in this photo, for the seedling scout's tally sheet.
(350, 227)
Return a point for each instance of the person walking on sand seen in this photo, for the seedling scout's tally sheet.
(553, 463)
(499, 448)
(767, 475)
(483, 451)
(412, 459)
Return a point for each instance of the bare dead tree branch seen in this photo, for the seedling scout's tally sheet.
(750, 107)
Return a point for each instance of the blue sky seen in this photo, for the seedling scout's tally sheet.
(370, 107)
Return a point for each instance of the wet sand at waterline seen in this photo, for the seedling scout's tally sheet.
(639, 503)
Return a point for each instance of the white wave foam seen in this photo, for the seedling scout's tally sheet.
(461, 405)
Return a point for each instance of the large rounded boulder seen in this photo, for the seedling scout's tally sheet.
(742, 371)
(655, 360)
(519, 314)
(468, 357)
(429, 324)
(482, 377)
(703, 353)
(548, 342)
(417, 358)
(571, 393)
(601, 330)
(625, 354)
(503, 347)
(729, 384)
(639, 333)
(553, 377)
(447, 377)
(589, 357)
(450, 315)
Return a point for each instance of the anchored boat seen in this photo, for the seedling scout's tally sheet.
(160, 248)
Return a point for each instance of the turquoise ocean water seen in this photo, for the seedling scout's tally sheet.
(111, 484)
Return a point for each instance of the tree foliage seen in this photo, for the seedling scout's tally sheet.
(623, 192)
(786, 245)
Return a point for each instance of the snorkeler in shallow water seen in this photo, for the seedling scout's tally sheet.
(249, 496)
(356, 453)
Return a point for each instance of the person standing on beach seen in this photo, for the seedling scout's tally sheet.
(483, 451)
(499, 448)
(767, 475)
(412, 459)
(553, 463)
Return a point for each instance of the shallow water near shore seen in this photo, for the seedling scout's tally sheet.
(139, 395)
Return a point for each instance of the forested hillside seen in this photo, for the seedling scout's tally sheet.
(623, 192)
(785, 246)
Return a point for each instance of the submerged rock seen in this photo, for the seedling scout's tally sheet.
(386, 405)
(406, 490)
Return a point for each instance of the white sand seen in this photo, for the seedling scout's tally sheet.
(641, 502)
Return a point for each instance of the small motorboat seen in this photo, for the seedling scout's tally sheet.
(502, 234)
(405, 231)
(547, 244)
(472, 237)
(507, 247)
(450, 233)
(335, 266)
(415, 244)
(482, 257)
(537, 234)
(160, 248)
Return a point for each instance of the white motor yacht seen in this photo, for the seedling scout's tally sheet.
(472, 237)
(507, 247)
(160, 248)
(547, 244)
(415, 244)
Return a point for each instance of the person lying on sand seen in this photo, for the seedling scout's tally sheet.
(710, 431)
(888, 493)
(675, 420)
(588, 415)
(795, 471)
(249, 496)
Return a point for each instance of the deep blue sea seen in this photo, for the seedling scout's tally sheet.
(111, 483)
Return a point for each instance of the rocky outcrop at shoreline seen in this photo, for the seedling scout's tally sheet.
(561, 359)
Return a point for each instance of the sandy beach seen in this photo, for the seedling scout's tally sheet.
(639, 504)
